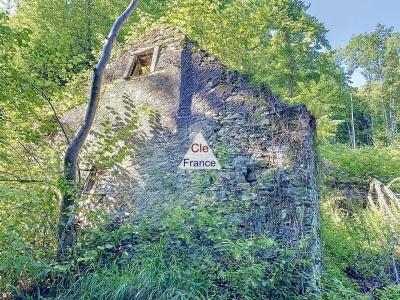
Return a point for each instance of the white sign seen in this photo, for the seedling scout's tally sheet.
(199, 156)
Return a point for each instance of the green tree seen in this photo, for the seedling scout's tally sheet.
(276, 40)
(391, 84)
(376, 55)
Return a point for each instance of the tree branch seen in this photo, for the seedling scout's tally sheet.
(57, 118)
(47, 98)
(73, 150)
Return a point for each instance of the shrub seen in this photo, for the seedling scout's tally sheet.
(357, 245)
(27, 241)
(389, 293)
(189, 253)
(362, 164)
(336, 284)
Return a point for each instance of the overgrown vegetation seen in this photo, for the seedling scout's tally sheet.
(184, 253)
(47, 49)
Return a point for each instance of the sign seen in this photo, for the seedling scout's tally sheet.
(199, 156)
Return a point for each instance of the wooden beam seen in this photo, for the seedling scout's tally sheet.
(156, 54)
(144, 51)
(130, 67)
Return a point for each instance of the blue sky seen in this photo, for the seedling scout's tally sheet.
(344, 19)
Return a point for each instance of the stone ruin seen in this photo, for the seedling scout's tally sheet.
(266, 148)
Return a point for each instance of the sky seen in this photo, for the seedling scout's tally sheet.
(345, 18)
(6, 4)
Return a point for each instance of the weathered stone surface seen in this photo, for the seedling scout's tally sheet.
(267, 148)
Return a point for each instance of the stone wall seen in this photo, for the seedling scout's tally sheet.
(266, 148)
(167, 39)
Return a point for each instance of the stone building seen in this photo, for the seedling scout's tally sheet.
(266, 148)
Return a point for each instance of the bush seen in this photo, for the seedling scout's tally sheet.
(27, 242)
(362, 164)
(336, 284)
(389, 293)
(357, 245)
(189, 253)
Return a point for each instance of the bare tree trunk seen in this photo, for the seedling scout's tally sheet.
(349, 132)
(353, 131)
(385, 115)
(393, 117)
(374, 112)
(67, 211)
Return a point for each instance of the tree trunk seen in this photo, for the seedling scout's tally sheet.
(385, 114)
(375, 112)
(349, 132)
(67, 211)
(393, 117)
(353, 130)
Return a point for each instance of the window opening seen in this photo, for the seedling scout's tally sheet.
(143, 63)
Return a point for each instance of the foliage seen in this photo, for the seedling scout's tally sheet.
(389, 293)
(358, 237)
(336, 284)
(326, 98)
(28, 218)
(359, 241)
(361, 165)
(276, 41)
(184, 253)
(46, 52)
(377, 55)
